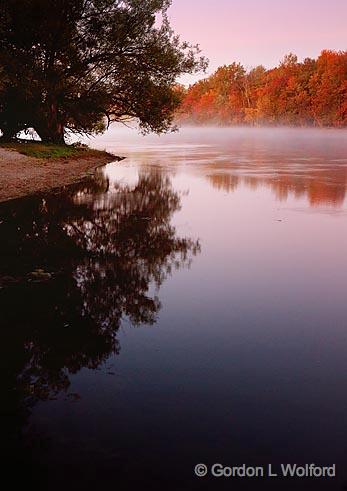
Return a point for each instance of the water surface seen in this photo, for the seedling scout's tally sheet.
(186, 305)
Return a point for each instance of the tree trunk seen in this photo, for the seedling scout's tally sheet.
(54, 134)
(8, 133)
(50, 129)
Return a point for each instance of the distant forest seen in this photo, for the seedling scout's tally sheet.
(311, 93)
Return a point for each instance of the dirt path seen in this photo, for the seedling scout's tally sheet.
(21, 175)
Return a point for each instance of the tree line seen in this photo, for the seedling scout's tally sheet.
(308, 93)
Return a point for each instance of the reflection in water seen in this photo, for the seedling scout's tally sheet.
(72, 266)
(309, 164)
(320, 186)
(214, 380)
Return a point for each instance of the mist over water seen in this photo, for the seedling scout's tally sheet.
(195, 311)
(300, 162)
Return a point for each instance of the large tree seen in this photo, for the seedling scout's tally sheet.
(77, 65)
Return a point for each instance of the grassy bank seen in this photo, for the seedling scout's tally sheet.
(33, 167)
(48, 151)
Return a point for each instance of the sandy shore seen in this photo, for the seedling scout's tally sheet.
(21, 175)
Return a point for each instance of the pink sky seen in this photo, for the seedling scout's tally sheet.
(260, 31)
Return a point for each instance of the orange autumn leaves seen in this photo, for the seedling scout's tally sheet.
(310, 93)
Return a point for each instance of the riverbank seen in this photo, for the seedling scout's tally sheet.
(21, 174)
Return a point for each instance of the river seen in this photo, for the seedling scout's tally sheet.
(186, 305)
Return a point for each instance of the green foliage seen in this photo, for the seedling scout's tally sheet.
(78, 65)
(49, 150)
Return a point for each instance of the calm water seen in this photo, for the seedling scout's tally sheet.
(186, 305)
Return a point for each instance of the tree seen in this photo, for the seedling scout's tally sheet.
(78, 65)
(329, 89)
(312, 92)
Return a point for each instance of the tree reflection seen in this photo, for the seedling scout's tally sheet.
(73, 265)
(322, 186)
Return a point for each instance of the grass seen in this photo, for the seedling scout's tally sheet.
(49, 150)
